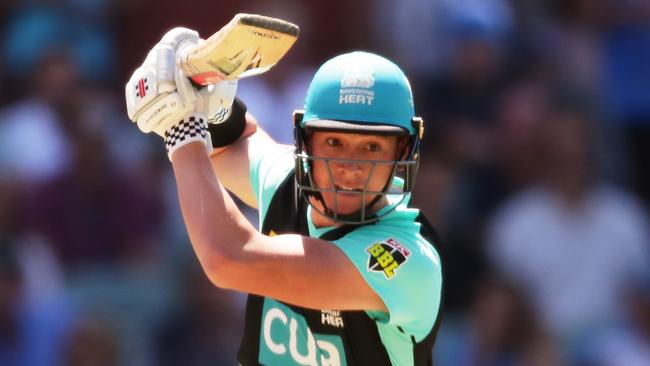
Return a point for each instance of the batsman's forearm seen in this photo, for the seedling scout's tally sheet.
(217, 229)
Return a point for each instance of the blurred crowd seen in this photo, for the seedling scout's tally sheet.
(537, 120)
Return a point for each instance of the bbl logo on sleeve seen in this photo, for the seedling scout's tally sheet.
(387, 257)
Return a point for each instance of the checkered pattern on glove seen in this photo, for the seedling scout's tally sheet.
(190, 129)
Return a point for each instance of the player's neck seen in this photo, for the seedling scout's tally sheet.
(321, 220)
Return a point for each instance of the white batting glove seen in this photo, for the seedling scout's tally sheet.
(157, 94)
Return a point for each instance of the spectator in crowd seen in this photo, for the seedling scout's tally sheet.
(83, 29)
(92, 342)
(36, 117)
(519, 117)
(626, 343)
(32, 331)
(432, 27)
(570, 240)
(108, 218)
(459, 107)
(626, 85)
(500, 329)
(41, 272)
(104, 224)
(206, 327)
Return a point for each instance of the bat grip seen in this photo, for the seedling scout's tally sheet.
(182, 55)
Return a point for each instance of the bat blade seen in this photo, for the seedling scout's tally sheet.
(248, 45)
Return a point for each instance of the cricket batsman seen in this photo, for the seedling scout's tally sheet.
(342, 271)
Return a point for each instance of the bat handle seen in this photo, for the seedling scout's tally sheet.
(182, 55)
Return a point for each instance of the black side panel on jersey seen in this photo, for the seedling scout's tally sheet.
(361, 331)
(249, 348)
(422, 354)
(286, 214)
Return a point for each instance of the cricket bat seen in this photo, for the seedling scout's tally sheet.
(248, 45)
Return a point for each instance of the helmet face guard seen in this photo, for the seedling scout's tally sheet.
(398, 185)
(360, 93)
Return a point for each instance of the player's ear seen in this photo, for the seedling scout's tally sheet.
(412, 142)
(402, 147)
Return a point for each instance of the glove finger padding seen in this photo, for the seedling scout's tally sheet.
(178, 36)
(168, 49)
(181, 103)
(154, 111)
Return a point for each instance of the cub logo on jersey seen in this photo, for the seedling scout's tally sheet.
(387, 257)
(286, 339)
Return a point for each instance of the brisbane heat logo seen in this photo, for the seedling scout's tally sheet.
(387, 257)
(356, 86)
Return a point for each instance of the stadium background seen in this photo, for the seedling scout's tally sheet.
(534, 171)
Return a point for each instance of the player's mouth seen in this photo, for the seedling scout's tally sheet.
(347, 189)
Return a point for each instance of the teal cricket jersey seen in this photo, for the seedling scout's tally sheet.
(395, 255)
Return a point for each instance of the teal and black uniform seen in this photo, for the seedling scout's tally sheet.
(397, 257)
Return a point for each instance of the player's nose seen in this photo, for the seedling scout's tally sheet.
(350, 168)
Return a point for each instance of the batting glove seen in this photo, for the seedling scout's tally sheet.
(160, 98)
(157, 95)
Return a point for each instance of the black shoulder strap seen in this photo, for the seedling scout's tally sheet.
(340, 232)
(429, 232)
(287, 213)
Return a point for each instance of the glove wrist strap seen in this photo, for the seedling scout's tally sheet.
(229, 131)
(190, 129)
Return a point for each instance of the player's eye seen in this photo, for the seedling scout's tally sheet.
(333, 142)
(373, 147)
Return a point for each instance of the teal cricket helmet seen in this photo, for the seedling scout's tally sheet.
(359, 92)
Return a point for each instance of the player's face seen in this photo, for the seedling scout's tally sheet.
(373, 155)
